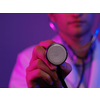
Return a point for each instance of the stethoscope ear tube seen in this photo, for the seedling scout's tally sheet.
(60, 77)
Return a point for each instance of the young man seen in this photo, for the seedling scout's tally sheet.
(82, 65)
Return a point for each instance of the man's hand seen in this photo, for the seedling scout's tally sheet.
(40, 73)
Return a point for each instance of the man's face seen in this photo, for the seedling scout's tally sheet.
(74, 24)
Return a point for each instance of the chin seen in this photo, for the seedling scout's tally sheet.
(77, 37)
(79, 32)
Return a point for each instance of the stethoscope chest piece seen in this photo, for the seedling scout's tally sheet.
(56, 54)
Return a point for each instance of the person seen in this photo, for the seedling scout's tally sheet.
(80, 70)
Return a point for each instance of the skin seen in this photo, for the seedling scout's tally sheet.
(40, 73)
(75, 29)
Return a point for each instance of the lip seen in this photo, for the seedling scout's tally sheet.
(76, 22)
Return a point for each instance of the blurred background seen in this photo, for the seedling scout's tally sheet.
(17, 32)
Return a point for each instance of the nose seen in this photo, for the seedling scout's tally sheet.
(76, 15)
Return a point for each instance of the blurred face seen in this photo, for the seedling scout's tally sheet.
(74, 24)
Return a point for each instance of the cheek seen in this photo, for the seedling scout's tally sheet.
(62, 19)
(62, 25)
(95, 22)
(90, 19)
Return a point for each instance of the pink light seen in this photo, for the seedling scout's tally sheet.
(52, 26)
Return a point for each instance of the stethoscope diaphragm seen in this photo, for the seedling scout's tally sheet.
(56, 54)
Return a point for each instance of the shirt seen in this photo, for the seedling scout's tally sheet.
(91, 80)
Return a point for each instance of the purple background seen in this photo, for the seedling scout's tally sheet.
(17, 32)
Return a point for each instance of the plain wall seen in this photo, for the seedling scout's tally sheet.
(17, 32)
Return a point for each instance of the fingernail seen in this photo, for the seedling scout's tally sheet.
(53, 67)
(63, 66)
(49, 80)
(56, 77)
(51, 83)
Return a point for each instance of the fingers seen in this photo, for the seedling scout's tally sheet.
(46, 43)
(39, 68)
(65, 69)
(39, 64)
(39, 53)
(38, 73)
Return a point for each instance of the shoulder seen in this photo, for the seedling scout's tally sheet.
(27, 52)
(24, 56)
(18, 74)
(57, 39)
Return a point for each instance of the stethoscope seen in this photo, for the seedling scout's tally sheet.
(57, 54)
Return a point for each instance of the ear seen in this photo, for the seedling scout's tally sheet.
(52, 17)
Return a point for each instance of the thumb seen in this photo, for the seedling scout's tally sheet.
(65, 69)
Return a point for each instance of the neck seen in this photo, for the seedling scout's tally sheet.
(79, 45)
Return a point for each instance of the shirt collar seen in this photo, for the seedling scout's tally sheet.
(75, 59)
